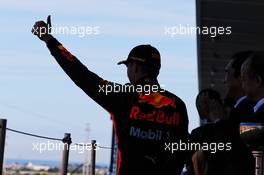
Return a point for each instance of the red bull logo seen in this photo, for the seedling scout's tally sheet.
(157, 100)
(157, 116)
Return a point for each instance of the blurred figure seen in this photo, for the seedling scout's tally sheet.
(238, 105)
(210, 110)
(252, 76)
(209, 106)
(218, 128)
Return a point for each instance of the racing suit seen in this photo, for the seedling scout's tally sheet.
(143, 123)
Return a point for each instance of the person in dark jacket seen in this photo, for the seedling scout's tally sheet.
(235, 100)
(144, 121)
(235, 158)
(252, 74)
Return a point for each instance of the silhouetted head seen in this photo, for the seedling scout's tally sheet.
(143, 64)
(232, 78)
(252, 76)
(209, 105)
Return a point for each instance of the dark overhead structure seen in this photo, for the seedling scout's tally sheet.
(246, 19)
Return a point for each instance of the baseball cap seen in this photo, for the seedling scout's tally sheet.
(145, 54)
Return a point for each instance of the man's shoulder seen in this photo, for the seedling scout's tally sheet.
(177, 99)
(202, 128)
(200, 133)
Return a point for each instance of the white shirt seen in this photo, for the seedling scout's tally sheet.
(258, 105)
(239, 101)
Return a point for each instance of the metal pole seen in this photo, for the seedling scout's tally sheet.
(65, 156)
(112, 151)
(93, 155)
(2, 143)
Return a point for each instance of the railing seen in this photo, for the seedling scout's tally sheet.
(66, 151)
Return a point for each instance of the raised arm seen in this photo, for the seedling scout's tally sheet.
(88, 81)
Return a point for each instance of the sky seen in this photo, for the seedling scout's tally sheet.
(36, 96)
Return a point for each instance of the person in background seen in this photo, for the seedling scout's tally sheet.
(237, 103)
(217, 128)
(252, 77)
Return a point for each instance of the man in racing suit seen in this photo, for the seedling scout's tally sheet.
(146, 124)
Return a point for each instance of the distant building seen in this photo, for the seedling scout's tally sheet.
(31, 166)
